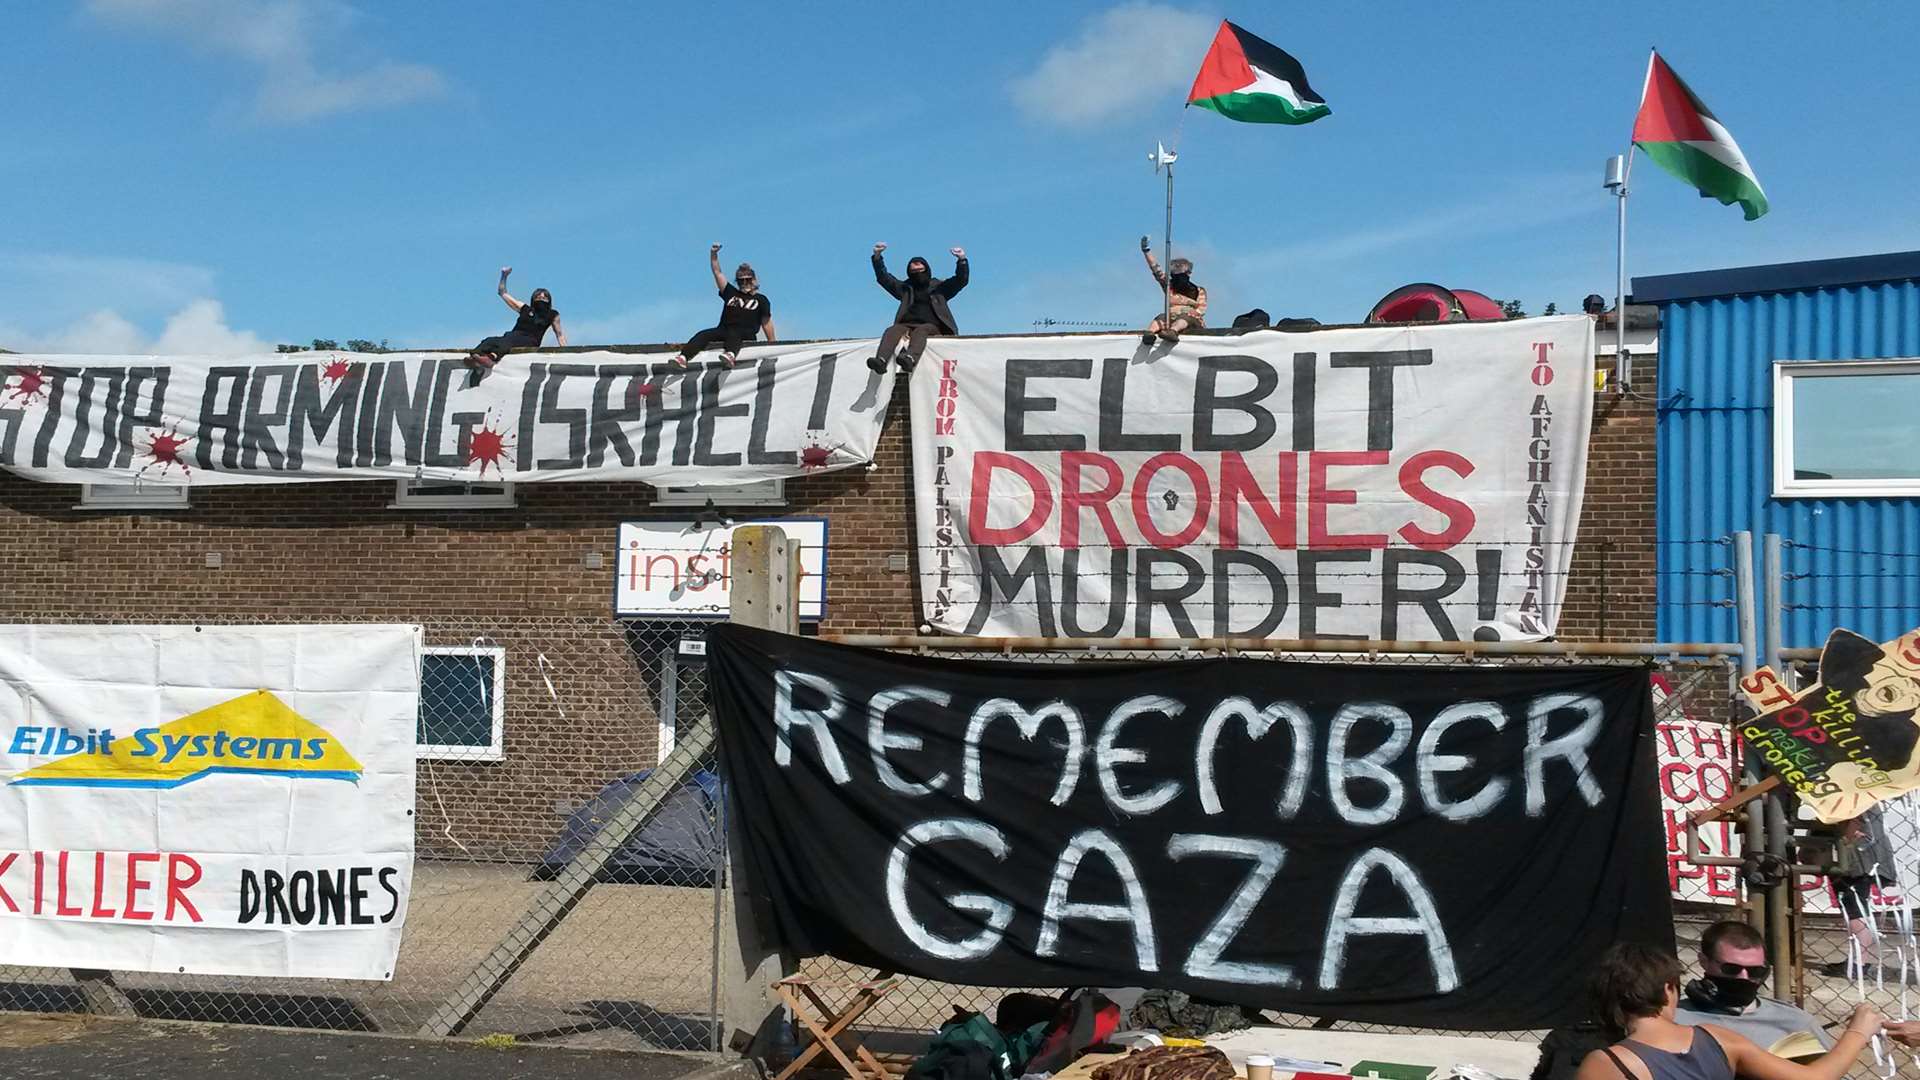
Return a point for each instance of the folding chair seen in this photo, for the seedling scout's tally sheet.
(826, 1022)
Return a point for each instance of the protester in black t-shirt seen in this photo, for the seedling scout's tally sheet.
(746, 311)
(923, 307)
(528, 330)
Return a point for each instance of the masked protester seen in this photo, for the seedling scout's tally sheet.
(528, 331)
(1734, 970)
(1186, 302)
(923, 307)
(1733, 964)
(1635, 993)
(744, 311)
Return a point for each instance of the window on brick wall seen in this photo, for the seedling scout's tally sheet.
(135, 496)
(408, 494)
(758, 493)
(1846, 429)
(462, 706)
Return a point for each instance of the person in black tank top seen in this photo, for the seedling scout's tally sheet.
(1636, 989)
(529, 330)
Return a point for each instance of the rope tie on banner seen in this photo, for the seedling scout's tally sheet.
(541, 665)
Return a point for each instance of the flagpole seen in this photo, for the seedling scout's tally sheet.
(1164, 158)
(1166, 291)
(1622, 365)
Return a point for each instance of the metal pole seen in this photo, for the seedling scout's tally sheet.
(1779, 925)
(1166, 291)
(1622, 365)
(1754, 835)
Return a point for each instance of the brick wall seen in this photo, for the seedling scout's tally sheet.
(326, 552)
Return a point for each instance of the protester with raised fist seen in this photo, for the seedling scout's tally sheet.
(923, 308)
(529, 330)
(1186, 307)
(744, 312)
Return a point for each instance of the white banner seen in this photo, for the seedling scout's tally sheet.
(1377, 482)
(186, 420)
(218, 800)
(685, 569)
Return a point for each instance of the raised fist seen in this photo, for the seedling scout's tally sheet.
(505, 270)
(957, 253)
(714, 250)
(878, 248)
(1146, 245)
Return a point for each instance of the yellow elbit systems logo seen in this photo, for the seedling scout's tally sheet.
(253, 734)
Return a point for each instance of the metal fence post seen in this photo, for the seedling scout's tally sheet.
(1754, 834)
(765, 594)
(1779, 927)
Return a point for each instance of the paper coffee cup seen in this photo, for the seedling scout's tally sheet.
(1259, 1067)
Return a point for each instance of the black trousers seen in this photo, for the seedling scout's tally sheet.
(729, 337)
(916, 335)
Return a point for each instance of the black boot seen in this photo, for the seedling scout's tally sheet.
(876, 365)
(906, 362)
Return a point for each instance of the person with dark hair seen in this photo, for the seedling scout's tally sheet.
(536, 315)
(744, 312)
(1635, 991)
(1734, 969)
(923, 308)
(1186, 303)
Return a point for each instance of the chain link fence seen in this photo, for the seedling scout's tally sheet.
(534, 732)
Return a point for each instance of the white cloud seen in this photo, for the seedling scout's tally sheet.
(1124, 58)
(284, 39)
(199, 328)
(48, 283)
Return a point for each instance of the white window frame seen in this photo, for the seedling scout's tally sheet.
(757, 493)
(500, 496)
(496, 749)
(134, 496)
(1785, 484)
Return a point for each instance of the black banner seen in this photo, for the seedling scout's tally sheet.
(1445, 847)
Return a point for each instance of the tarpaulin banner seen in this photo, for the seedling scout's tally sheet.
(1851, 739)
(1437, 848)
(781, 411)
(216, 800)
(1397, 483)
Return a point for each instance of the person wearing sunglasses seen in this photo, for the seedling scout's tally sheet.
(1734, 970)
(744, 312)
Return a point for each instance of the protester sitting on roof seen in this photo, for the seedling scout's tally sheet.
(1635, 991)
(923, 307)
(1186, 302)
(744, 312)
(528, 331)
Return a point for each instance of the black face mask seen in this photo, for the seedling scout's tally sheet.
(542, 304)
(1183, 279)
(1727, 992)
(919, 276)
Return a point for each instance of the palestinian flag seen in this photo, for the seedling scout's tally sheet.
(1245, 78)
(1684, 138)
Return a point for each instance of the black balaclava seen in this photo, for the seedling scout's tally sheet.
(542, 300)
(918, 271)
(1183, 284)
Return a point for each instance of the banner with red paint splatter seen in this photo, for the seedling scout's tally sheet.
(213, 800)
(1396, 483)
(782, 410)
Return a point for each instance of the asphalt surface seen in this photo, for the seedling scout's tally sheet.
(34, 1046)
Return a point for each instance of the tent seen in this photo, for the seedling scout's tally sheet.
(680, 846)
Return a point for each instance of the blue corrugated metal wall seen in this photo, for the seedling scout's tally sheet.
(1851, 562)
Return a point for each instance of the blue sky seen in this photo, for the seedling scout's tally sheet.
(199, 175)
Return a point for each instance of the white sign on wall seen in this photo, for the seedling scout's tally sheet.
(685, 569)
(217, 800)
